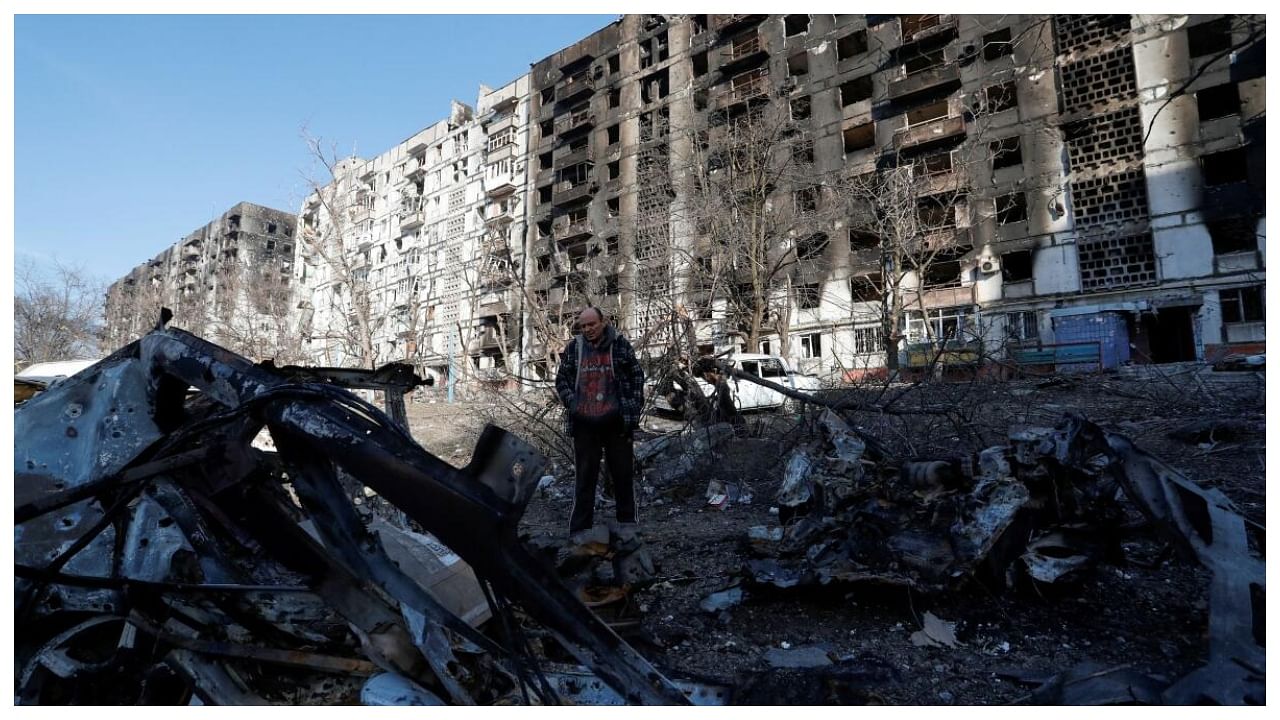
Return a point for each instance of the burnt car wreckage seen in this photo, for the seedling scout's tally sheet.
(161, 557)
(158, 554)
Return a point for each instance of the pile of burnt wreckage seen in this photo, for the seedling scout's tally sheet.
(191, 527)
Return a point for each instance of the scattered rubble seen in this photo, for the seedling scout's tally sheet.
(166, 553)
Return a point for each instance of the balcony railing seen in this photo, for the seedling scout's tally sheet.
(574, 122)
(567, 192)
(932, 131)
(923, 80)
(744, 92)
(412, 218)
(919, 27)
(741, 52)
(573, 230)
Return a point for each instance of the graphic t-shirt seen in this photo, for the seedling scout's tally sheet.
(597, 397)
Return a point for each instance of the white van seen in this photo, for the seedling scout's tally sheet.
(750, 396)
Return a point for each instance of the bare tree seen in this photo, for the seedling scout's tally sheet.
(57, 312)
(335, 213)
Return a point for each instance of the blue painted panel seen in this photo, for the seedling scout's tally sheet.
(1106, 328)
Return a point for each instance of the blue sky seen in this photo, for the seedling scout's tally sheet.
(131, 131)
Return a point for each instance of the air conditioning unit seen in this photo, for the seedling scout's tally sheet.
(989, 264)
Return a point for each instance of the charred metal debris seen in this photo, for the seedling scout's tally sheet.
(162, 557)
(1040, 510)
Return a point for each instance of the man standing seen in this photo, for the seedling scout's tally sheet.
(601, 385)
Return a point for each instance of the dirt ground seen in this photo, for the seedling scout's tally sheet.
(1145, 610)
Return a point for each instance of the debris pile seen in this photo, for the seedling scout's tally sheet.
(163, 557)
(1043, 509)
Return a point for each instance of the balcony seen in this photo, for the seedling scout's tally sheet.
(574, 123)
(573, 230)
(566, 193)
(935, 77)
(571, 157)
(744, 92)
(742, 53)
(415, 167)
(939, 182)
(497, 217)
(916, 28)
(947, 296)
(412, 218)
(571, 87)
(943, 128)
(727, 25)
(500, 186)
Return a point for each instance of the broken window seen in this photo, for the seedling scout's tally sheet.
(937, 324)
(699, 24)
(1242, 304)
(936, 164)
(615, 98)
(1011, 208)
(547, 129)
(928, 113)
(859, 137)
(806, 199)
(611, 245)
(613, 207)
(934, 214)
(811, 345)
(1218, 101)
(1222, 168)
(1006, 152)
(1015, 266)
(1232, 235)
(811, 247)
(1001, 97)
(909, 25)
(862, 240)
(654, 87)
(802, 151)
(544, 161)
(614, 169)
(997, 44)
(1022, 326)
(800, 107)
(577, 144)
(923, 61)
(855, 90)
(613, 134)
(798, 64)
(852, 44)
(865, 288)
(544, 194)
(615, 64)
(1209, 38)
(610, 285)
(808, 296)
(700, 64)
(868, 340)
(544, 263)
(795, 24)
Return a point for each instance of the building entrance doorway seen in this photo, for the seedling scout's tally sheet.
(1169, 334)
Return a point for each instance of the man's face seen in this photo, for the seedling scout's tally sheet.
(591, 324)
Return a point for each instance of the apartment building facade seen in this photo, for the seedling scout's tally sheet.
(1078, 179)
(413, 255)
(228, 281)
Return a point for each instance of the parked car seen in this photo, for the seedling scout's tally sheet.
(748, 395)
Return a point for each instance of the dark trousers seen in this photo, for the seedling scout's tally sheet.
(590, 440)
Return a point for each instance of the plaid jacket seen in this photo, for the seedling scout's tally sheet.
(626, 372)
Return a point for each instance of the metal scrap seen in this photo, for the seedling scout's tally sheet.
(148, 507)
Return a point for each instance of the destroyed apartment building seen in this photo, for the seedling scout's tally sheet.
(854, 192)
(228, 280)
(411, 255)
